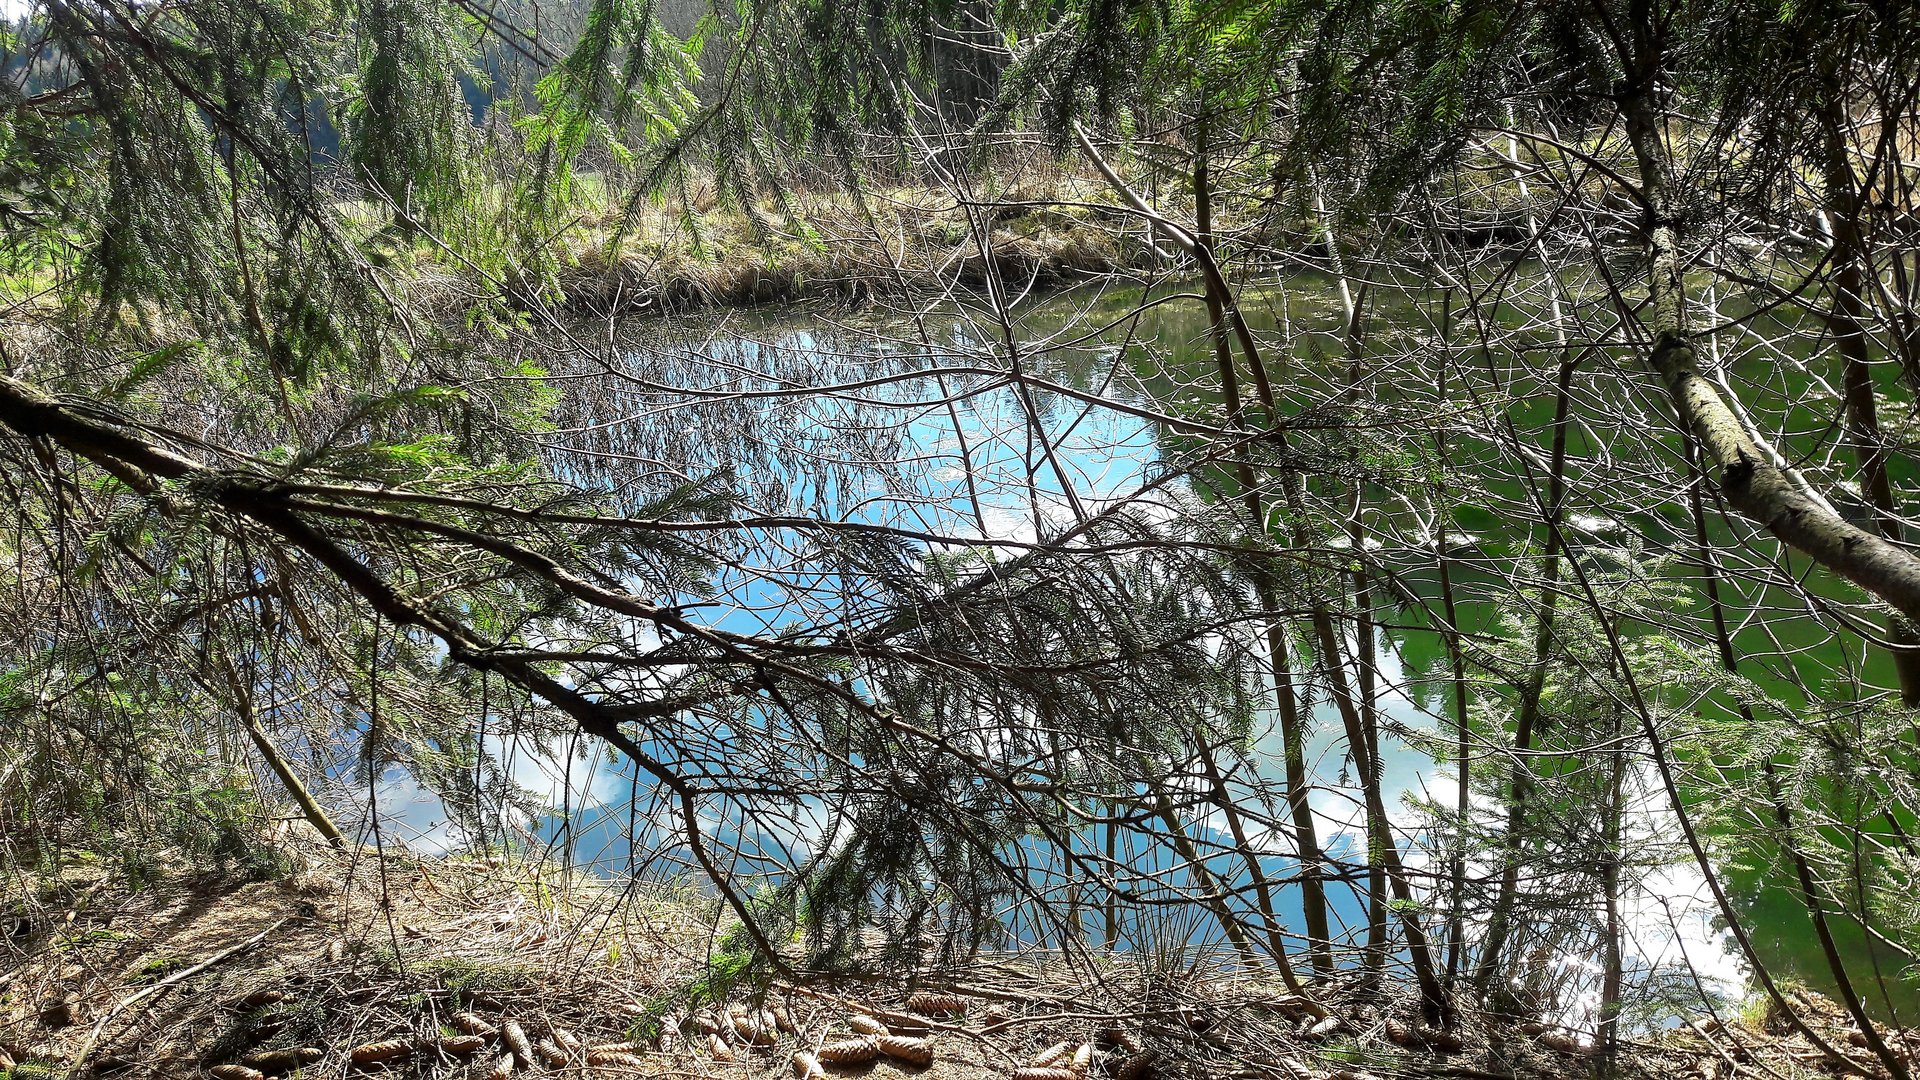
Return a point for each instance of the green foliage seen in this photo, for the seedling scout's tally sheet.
(466, 979)
(154, 969)
(731, 962)
(627, 85)
(409, 133)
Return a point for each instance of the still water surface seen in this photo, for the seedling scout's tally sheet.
(919, 454)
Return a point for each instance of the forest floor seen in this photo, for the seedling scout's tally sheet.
(361, 957)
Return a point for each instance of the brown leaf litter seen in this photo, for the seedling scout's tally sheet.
(400, 967)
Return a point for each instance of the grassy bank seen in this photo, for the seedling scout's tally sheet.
(697, 251)
(901, 242)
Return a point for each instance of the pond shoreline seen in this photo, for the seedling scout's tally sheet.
(855, 272)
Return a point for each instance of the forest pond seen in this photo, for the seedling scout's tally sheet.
(964, 454)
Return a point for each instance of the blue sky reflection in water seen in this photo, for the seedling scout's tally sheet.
(919, 454)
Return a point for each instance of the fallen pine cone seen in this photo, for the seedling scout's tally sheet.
(1116, 1037)
(613, 1048)
(706, 1023)
(1320, 1029)
(283, 1060)
(1082, 1059)
(514, 1038)
(807, 1067)
(502, 1068)
(754, 1029)
(467, 1023)
(1447, 1042)
(1398, 1033)
(461, 1045)
(59, 1012)
(900, 1048)
(614, 1059)
(551, 1054)
(783, 1020)
(566, 1040)
(1297, 1067)
(862, 1024)
(849, 1052)
(259, 999)
(930, 1004)
(377, 1053)
(718, 1047)
(1138, 1067)
(1041, 1073)
(235, 1072)
(1565, 1043)
(1051, 1056)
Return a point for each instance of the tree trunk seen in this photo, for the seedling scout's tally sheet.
(1747, 476)
(1456, 662)
(1366, 651)
(1211, 896)
(1382, 850)
(1847, 321)
(283, 769)
(1313, 897)
(1612, 959)
(1520, 786)
(1250, 858)
(1433, 996)
(1803, 871)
